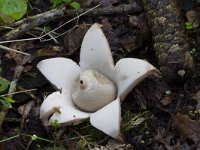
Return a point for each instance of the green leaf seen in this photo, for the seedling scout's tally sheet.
(75, 5)
(198, 1)
(188, 25)
(47, 29)
(10, 100)
(5, 19)
(82, 143)
(3, 84)
(6, 103)
(55, 123)
(13, 8)
(55, 3)
(193, 50)
(34, 137)
(67, 1)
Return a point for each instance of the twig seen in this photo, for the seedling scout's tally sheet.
(25, 91)
(121, 9)
(10, 138)
(13, 84)
(77, 133)
(29, 94)
(13, 50)
(37, 20)
(40, 38)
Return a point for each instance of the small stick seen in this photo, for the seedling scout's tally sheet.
(121, 9)
(13, 50)
(19, 92)
(13, 84)
(37, 20)
(77, 133)
(10, 138)
(29, 94)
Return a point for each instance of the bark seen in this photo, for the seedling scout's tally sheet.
(170, 42)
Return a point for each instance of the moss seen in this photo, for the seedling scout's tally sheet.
(134, 124)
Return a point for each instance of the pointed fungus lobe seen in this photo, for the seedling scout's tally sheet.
(108, 119)
(94, 90)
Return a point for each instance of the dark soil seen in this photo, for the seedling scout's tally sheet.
(170, 111)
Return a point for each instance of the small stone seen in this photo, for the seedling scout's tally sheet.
(181, 73)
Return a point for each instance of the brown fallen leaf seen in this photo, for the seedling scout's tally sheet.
(188, 129)
(46, 52)
(85, 3)
(114, 145)
(136, 39)
(23, 47)
(107, 2)
(196, 97)
(166, 100)
(25, 109)
(73, 40)
(192, 16)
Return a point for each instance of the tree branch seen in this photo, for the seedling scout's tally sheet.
(37, 20)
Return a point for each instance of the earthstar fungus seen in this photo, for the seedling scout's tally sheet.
(95, 89)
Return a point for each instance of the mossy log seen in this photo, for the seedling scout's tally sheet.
(171, 44)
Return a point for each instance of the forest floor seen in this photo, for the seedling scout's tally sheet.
(155, 115)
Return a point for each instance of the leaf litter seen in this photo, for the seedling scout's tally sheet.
(165, 127)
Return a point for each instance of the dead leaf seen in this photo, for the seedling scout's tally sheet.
(154, 87)
(73, 40)
(107, 2)
(85, 3)
(114, 145)
(196, 97)
(128, 33)
(192, 17)
(28, 68)
(23, 47)
(24, 110)
(136, 39)
(166, 100)
(46, 52)
(188, 129)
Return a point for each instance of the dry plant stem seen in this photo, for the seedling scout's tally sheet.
(60, 133)
(104, 140)
(170, 41)
(37, 20)
(58, 13)
(13, 50)
(29, 94)
(13, 84)
(77, 133)
(9, 94)
(34, 21)
(25, 91)
(15, 31)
